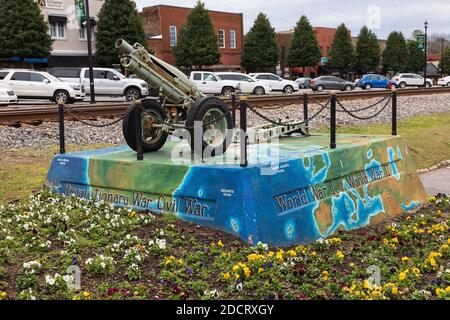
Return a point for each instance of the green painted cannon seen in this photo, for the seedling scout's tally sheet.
(207, 119)
(184, 106)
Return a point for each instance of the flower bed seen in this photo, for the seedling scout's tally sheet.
(54, 247)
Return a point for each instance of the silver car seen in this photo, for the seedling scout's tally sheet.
(330, 83)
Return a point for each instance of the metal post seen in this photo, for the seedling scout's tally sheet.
(394, 111)
(243, 122)
(62, 139)
(333, 121)
(90, 58)
(138, 114)
(426, 58)
(305, 111)
(233, 109)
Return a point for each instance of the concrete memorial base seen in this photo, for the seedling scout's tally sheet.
(293, 192)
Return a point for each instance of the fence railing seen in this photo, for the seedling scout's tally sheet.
(333, 104)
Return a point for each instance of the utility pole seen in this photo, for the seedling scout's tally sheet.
(426, 58)
(90, 58)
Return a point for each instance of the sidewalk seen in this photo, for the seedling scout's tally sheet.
(437, 181)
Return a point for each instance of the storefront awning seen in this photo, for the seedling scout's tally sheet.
(61, 19)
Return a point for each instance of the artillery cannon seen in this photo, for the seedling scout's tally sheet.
(184, 106)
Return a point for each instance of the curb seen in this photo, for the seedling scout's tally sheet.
(441, 164)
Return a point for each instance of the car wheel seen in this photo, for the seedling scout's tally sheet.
(227, 91)
(259, 91)
(348, 88)
(368, 86)
(288, 90)
(402, 85)
(320, 88)
(428, 85)
(61, 95)
(132, 94)
(448, 84)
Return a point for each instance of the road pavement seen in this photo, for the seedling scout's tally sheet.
(437, 181)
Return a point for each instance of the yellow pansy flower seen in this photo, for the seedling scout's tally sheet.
(226, 275)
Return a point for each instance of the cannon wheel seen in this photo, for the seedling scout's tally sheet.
(218, 135)
(152, 139)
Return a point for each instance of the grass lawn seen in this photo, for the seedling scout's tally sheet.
(427, 137)
(122, 254)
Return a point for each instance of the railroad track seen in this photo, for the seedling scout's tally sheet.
(35, 114)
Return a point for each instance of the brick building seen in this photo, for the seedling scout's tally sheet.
(325, 38)
(162, 25)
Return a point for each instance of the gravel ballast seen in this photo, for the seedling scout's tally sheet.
(81, 134)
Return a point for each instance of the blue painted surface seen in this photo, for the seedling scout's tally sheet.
(308, 197)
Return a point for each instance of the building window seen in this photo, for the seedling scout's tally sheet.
(83, 32)
(173, 35)
(57, 30)
(221, 38)
(232, 39)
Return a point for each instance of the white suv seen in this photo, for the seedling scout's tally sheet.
(7, 96)
(32, 84)
(245, 83)
(107, 82)
(404, 80)
(276, 83)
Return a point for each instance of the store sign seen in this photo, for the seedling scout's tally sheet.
(50, 4)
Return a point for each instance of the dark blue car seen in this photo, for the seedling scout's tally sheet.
(370, 81)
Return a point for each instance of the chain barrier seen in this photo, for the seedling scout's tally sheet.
(278, 123)
(351, 112)
(72, 112)
(367, 107)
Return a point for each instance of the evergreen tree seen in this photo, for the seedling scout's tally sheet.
(367, 55)
(342, 52)
(117, 19)
(444, 64)
(260, 47)
(304, 51)
(197, 43)
(415, 58)
(23, 31)
(395, 54)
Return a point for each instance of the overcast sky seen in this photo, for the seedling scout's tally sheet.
(381, 16)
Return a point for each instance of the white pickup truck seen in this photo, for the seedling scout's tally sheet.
(210, 83)
(107, 82)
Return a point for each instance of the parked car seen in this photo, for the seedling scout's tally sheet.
(303, 83)
(32, 84)
(7, 96)
(245, 83)
(370, 81)
(209, 83)
(276, 83)
(404, 80)
(107, 82)
(330, 83)
(445, 82)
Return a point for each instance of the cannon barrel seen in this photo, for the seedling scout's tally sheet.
(175, 85)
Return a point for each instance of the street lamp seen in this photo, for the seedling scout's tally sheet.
(426, 60)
